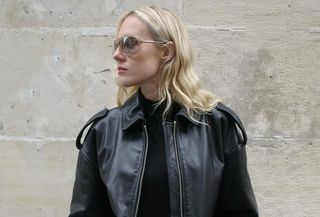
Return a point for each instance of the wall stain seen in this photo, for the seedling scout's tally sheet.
(258, 84)
(25, 9)
(117, 10)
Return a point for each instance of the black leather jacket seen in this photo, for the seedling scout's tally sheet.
(207, 166)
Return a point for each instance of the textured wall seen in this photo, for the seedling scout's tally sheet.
(262, 57)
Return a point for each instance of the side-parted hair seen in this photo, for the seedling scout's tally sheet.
(178, 81)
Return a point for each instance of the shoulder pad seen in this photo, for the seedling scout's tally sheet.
(241, 135)
(97, 116)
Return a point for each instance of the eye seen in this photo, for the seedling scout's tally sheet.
(130, 42)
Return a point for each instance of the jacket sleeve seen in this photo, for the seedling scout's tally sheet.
(90, 197)
(236, 196)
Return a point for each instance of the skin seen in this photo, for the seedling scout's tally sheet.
(142, 68)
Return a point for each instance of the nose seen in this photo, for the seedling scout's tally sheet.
(118, 55)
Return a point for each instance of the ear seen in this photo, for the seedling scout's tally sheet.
(168, 51)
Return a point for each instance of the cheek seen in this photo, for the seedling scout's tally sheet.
(142, 68)
(149, 65)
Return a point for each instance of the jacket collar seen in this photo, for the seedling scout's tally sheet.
(184, 114)
(132, 112)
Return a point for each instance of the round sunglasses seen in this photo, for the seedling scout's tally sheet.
(130, 45)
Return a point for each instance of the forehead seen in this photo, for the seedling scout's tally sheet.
(133, 26)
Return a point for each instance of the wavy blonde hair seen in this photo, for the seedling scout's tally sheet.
(178, 81)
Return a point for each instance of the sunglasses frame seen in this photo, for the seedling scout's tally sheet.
(119, 43)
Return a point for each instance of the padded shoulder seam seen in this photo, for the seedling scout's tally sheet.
(225, 109)
(93, 119)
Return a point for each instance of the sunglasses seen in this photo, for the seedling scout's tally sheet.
(130, 45)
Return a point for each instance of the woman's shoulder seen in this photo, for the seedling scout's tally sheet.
(224, 115)
(90, 122)
(105, 113)
(96, 120)
(222, 110)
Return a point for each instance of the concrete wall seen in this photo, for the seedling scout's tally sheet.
(262, 57)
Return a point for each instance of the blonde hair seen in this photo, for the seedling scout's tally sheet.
(178, 82)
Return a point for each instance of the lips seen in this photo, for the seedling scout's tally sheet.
(120, 68)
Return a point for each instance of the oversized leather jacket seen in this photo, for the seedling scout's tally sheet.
(207, 168)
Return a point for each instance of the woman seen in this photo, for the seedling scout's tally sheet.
(169, 148)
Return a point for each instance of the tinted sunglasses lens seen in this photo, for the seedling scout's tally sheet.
(130, 45)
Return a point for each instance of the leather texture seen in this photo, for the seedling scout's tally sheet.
(206, 158)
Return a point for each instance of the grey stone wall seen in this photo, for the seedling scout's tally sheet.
(261, 57)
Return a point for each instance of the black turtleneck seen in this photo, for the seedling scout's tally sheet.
(154, 200)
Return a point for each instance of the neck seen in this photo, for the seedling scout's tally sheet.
(150, 93)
